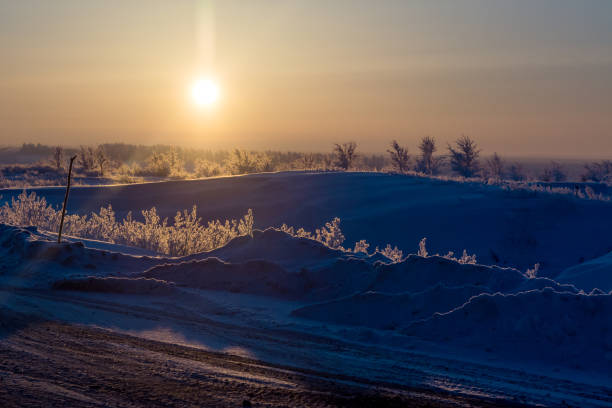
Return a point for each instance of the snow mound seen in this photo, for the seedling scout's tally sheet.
(388, 311)
(292, 253)
(416, 274)
(394, 295)
(254, 277)
(29, 258)
(134, 286)
(596, 273)
(569, 329)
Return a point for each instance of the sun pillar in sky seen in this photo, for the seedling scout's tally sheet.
(205, 88)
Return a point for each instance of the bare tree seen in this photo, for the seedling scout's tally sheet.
(495, 167)
(399, 157)
(344, 154)
(554, 172)
(426, 162)
(464, 157)
(101, 159)
(58, 156)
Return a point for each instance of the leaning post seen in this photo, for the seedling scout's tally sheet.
(59, 235)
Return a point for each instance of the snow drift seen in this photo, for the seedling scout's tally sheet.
(568, 329)
(257, 277)
(29, 258)
(596, 273)
(133, 286)
(292, 253)
(418, 287)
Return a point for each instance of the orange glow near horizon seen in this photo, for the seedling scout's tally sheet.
(304, 74)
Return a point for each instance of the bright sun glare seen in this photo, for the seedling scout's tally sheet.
(205, 92)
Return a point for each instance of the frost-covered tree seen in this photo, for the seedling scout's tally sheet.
(308, 161)
(58, 157)
(554, 172)
(464, 157)
(515, 172)
(495, 167)
(242, 162)
(157, 165)
(427, 163)
(86, 159)
(399, 157)
(598, 171)
(206, 168)
(344, 155)
(101, 159)
(264, 163)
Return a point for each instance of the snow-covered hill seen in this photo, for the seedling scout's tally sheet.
(508, 228)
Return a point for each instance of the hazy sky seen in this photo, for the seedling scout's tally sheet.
(521, 77)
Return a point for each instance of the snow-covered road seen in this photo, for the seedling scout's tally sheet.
(232, 328)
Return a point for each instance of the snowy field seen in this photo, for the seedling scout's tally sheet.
(483, 330)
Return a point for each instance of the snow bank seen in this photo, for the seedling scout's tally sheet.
(255, 277)
(596, 273)
(274, 263)
(134, 286)
(388, 311)
(416, 288)
(29, 258)
(292, 253)
(568, 329)
(416, 274)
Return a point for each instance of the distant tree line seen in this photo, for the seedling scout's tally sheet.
(125, 163)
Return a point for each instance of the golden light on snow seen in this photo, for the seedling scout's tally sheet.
(205, 92)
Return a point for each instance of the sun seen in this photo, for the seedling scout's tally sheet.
(205, 92)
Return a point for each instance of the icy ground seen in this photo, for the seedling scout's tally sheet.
(427, 323)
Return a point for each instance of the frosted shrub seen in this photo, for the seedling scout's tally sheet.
(167, 164)
(242, 162)
(464, 259)
(588, 193)
(422, 248)
(467, 259)
(533, 273)
(361, 246)
(206, 168)
(331, 234)
(186, 236)
(30, 210)
(394, 254)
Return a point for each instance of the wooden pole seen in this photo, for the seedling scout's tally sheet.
(59, 235)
